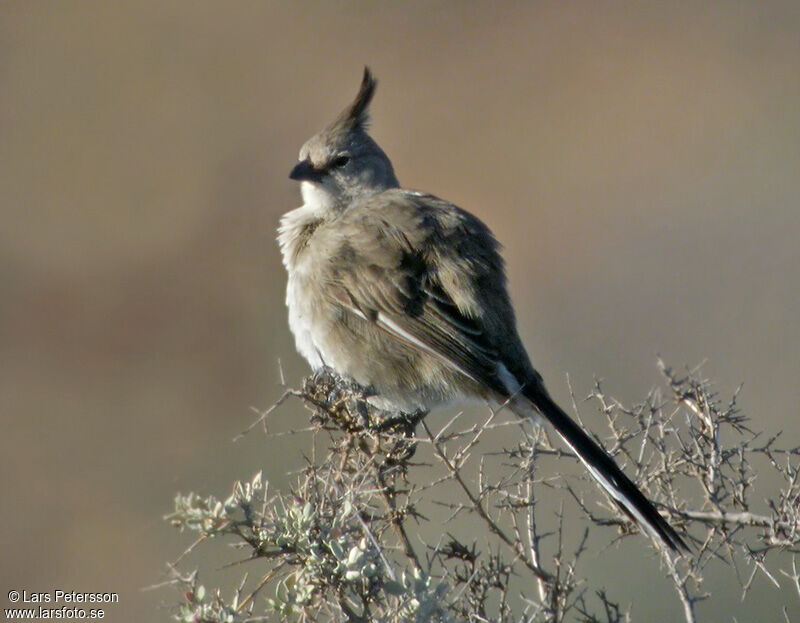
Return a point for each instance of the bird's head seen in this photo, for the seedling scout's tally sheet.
(342, 163)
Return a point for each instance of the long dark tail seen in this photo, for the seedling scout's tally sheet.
(603, 468)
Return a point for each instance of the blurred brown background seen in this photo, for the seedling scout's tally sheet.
(640, 163)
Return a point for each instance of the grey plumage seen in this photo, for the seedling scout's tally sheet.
(406, 293)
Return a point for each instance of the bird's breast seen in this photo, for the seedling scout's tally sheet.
(295, 235)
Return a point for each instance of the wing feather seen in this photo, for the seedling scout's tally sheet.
(392, 283)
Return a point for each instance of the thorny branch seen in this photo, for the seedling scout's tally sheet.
(360, 537)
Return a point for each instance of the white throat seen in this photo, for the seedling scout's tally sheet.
(316, 198)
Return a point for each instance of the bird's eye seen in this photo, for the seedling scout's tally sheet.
(340, 161)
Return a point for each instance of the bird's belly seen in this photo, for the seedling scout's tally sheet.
(303, 320)
(327, 335)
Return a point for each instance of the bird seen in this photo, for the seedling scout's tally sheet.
(406, 294)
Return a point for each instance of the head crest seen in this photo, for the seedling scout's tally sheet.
(356, 115)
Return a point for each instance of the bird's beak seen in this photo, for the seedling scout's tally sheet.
(305, 171)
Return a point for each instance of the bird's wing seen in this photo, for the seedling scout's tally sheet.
(392, 280)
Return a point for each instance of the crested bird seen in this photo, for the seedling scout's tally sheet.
(405, 293)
